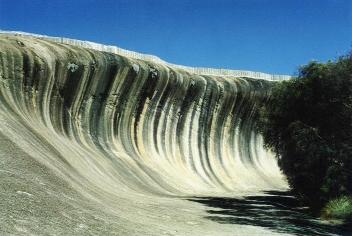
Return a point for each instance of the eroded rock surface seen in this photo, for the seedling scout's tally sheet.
(98, 143)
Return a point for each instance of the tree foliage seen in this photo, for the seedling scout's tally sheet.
(308, 123)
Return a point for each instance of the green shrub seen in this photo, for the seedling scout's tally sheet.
(340, 208)
(308, 124)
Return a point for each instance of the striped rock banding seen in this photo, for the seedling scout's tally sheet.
(118, 126)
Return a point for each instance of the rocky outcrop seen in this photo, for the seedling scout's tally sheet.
(115, 127)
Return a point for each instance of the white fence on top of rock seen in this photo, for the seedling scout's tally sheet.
(152, 58)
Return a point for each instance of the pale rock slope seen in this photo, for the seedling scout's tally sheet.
(103, 143)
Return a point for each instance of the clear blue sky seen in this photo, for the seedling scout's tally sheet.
(274, 36)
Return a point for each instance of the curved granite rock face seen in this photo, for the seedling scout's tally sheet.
(124, 139)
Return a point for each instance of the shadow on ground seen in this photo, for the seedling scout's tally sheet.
(278, 211)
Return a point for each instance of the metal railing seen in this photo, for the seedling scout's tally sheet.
(155, 59)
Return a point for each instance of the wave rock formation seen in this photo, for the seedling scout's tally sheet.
(100, 142)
